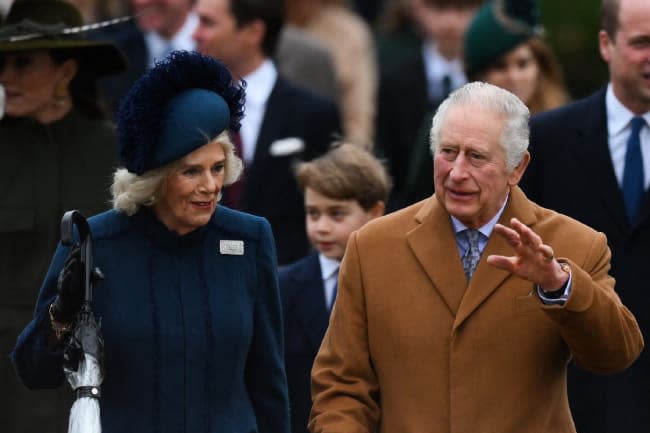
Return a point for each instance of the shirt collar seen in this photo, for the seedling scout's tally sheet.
(437, 66)
(260, 82)
(618, 116)
(328, 266)
(486, 230)
(182, 40)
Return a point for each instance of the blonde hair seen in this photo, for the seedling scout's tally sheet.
(130, 192)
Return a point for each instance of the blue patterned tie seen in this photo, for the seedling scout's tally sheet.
(633, 185)
(473, 253)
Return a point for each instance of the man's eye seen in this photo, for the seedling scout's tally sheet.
(448, 153)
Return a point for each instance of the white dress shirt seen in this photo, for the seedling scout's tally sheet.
(329, 273)
(618, 130)
(436, 67)
(259, 85)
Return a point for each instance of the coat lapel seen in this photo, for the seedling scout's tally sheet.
(434, 246)
(309, 304)
(592, 155)
(487, 278)
(273, 126)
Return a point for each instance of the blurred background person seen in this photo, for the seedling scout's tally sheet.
(57, 152)
(413, 87)
(343, 190)
(189, 307)
(98, 10)
(591, 160)
(159, 27)
(304, 60)
(284, 123)
(503, 46)
(396, 34)
(351, 43)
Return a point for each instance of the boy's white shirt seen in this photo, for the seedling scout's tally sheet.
(329, 273)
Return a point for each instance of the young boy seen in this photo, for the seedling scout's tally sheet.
(343, 190)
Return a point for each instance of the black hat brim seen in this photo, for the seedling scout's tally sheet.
(97, 57)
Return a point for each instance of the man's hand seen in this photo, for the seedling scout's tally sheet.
(533, 260)
(70, 288)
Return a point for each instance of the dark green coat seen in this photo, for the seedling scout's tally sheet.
(44, 171)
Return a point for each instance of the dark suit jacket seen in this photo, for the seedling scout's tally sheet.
(270, 187)
(131, 41)
(571, 171)
(305, 321)
(402, 105)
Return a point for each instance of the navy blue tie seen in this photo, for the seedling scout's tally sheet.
(633, 182)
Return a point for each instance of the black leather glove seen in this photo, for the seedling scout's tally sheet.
(70, 288)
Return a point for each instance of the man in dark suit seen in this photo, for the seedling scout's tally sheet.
(580, 167)
(283, 124)
(159, 28)
(413, 87)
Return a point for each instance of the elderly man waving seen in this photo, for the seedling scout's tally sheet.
(461, 312)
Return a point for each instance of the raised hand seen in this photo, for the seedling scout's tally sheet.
(533, 260)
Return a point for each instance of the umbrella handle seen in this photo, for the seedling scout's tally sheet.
(69, 220)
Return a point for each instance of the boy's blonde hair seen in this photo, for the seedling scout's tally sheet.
(346, 172)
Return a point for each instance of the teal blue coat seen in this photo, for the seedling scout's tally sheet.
(193, 330)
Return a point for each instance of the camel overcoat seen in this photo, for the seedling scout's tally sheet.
(411, 348)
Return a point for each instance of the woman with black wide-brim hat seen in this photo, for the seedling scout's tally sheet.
(57, 152)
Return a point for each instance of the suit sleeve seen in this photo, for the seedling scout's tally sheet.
(601, 332)
(37, 363)
(265, 376)
(345, 388)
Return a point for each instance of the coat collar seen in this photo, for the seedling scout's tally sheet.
(434, 245)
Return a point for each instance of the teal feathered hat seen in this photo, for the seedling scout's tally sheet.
(176, 107)
(498, 27)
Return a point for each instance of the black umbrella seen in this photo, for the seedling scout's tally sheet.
(84, 350)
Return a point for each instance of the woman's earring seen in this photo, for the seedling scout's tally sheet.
(60, 95)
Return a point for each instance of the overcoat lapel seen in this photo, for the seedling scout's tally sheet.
(434, 245)
(487, 278)
(441, 264)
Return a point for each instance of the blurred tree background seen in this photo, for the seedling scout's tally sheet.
(572, 31)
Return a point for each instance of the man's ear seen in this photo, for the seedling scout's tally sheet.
(605, 45)
(518, 171)
(255, 32)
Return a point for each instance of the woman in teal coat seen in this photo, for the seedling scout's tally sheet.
(189, 307)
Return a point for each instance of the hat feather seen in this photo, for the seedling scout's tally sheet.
(141, 114)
